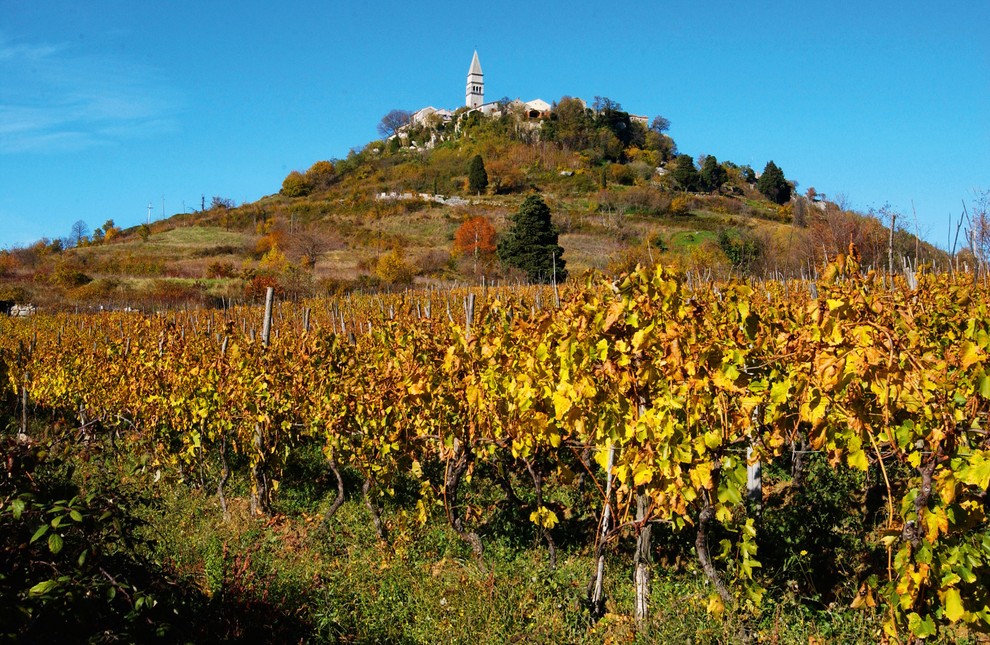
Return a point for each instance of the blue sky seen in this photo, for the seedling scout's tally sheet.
(106, 106)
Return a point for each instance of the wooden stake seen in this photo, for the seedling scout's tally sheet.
(266, 330)
(24, 405)
(468, 314)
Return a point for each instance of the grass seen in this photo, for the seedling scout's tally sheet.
(339, 583)
(191, 238)
(685, 240)
(587, 251)
(345, 586)
(428, 227)
(176, 243)
(292, 578)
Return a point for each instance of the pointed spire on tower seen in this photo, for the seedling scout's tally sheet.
(475, 93)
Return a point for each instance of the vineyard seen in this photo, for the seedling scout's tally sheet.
(678, 421)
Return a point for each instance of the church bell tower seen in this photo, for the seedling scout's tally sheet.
(475, 93)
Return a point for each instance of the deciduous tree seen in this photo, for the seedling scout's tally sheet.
(610, 116)
(475, 238)
(8, 263)
(660, 124)
(662, 144)
(221, 203)
(569, 124)
(393, 269)
(800, 217)
(295, 185)
(978, 230)
(110, 230)
(392, 121)
(79, 232)
(321, 175)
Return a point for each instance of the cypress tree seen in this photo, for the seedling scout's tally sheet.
(531, 243)
(712, 175)
(773, 185)
(477, 177)
(685, 173)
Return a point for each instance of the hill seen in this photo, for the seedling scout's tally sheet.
(386, 216)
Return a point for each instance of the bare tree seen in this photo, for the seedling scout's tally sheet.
(979, 227)
(660, 124)
(222, 203)
(605, 104)
(393, 121)
(309, 244)
(79, 232)
(801, 212)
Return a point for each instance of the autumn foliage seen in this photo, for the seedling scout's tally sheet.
(654, 385)
(475, 236)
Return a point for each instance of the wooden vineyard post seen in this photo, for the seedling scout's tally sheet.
(260, 497)
(642, 560)
(754, 470)
(598, 592)
(468, 315)
(890, 249)
(266, 330)
(23, 436)
(224, 466)
(754, 482)
(642, 557)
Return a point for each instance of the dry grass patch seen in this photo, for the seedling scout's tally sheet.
(584, 251)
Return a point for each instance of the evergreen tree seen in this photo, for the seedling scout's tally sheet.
(712, 175)
(685, 173)
(477, 177)
(531, 243)
(773, 185)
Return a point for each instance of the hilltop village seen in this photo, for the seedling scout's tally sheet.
(532, 111)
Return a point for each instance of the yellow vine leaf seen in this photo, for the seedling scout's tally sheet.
(954, 610)
(946, 486)
(984, 387)
(601, 457)
(978, 471)
(857, 459)
(726, 379)
(715, 605)
(969, 353)
(701, 475)
(561, 404)
(779, 390)
(544, 517)
(642, 474)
